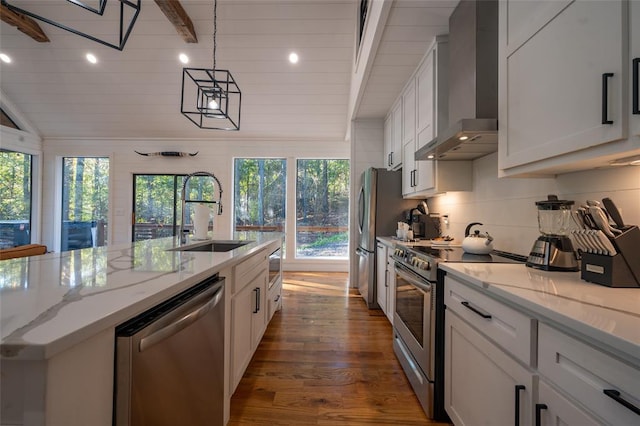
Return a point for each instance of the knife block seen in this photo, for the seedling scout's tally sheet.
(621, 270)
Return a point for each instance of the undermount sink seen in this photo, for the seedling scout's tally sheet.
(214, 246)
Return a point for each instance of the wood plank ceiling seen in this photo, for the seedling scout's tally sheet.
(135, 93)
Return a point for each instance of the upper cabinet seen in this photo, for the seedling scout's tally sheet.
(425, 113)
(565, 85)
(635, 70)
(393, 137)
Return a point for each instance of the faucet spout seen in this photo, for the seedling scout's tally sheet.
(185, 200)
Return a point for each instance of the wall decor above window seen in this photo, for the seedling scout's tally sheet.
(167, 154)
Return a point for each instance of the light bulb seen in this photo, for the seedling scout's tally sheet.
(212, 104)
(293, 58)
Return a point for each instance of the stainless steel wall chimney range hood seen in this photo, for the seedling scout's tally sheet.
(473, 85)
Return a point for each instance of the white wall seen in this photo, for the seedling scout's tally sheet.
(507, 209)
(215, 156)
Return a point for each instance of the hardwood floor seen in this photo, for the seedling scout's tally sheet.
(325, 359)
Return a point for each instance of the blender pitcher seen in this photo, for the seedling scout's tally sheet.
(553, 250)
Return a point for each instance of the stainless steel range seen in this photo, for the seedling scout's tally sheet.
(418, 321)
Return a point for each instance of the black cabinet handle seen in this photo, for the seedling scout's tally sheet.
(615, 395)
(539, 408)
(476, 310)
(391, 159)
(518, 389)
(257, 292)
(636, 65)
(605, 98)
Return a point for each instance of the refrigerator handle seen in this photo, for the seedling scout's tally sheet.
(361, 209)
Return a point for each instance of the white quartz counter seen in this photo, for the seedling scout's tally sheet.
(608, 316)
(51, 302)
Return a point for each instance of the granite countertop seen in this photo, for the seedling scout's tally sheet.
(609, 316)
(49, 303)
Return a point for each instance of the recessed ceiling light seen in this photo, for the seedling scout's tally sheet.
(293, 58)
(183, 58)
(5, 58)
(430, 156)
(91, 58)
(463, 138)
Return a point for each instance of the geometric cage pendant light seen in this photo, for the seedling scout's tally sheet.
(76, 16)
(211, 98)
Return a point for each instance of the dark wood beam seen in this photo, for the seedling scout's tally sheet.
(176, 14)
(23, 23)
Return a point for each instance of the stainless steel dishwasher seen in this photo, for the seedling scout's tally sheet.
(170, 361)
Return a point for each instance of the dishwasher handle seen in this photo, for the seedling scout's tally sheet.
(182, 323)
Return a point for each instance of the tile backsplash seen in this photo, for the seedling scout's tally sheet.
(506, 207)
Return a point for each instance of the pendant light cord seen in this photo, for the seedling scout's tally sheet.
(215, 30)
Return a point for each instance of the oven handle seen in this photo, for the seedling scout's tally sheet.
(413, 278)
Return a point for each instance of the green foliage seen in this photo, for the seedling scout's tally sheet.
(15, 185)
(85, 189)
(324, 240)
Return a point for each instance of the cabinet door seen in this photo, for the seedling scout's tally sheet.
(425, 103)
(396, 139)
(381, 276)
(556, 91)
(391, 286)
(242, 306)
(408, 168)
(409, 112)
(554, 409)
(481, 380)
(635, 69)
(388, 141)
(425, 175)
(260, 309)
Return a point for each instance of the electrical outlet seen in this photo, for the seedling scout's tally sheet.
(445, 220)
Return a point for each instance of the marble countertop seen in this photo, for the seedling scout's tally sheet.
(609, 316)
(391, 241)
(49, 303)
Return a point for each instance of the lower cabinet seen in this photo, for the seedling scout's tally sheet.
(483, 385)
(490, 378)
(382, 295)
(554, 409)
(249, 310)
(274, 302)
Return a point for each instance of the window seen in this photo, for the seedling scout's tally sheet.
(15, 198)
(157, 203)
(85, 202)
(322, 209)
(260, 194)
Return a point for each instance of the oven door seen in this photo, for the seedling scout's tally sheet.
(414, 316)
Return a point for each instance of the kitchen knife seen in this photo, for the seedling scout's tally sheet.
(613, 212)
(606, 243)
(593, 235)
(602, 222)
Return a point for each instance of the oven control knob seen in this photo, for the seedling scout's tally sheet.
(424, 265)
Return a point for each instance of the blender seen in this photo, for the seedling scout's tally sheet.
(553, 250)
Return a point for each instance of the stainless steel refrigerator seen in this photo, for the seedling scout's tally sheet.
(380, 208)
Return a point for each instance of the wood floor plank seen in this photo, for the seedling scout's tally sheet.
(325, 359)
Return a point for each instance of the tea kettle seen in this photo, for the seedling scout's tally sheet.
(476, 243)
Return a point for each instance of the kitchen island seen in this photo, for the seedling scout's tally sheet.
(59, 312)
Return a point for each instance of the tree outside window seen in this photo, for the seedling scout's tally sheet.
(85, 202)
(322, 209)
(15, 198)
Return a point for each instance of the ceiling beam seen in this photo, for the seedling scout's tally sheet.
(23, 23)
(176, 14)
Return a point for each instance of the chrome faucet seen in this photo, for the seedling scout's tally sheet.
(183, 238)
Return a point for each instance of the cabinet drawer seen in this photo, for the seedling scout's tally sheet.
(585, 372)
(247, 270)
(511, 329)
(558, 410)
(275, 299)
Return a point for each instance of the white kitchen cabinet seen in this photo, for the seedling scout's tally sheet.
(554, 409)
(432, 93)
(409, 112)
(248, 313)
(393, 137)
(381, 276)
(604, 385)
(391, 285)
(634, 121)
(563, 84)
(482, 382)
